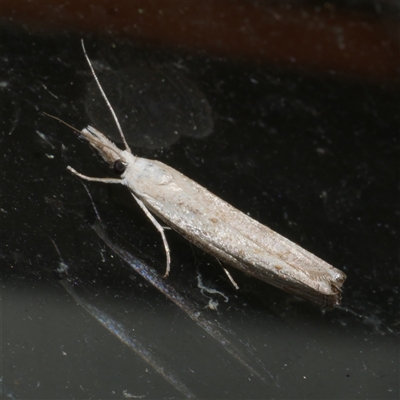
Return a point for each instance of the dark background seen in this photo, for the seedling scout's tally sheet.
(288, 111)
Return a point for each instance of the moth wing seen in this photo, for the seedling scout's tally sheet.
(232, 236)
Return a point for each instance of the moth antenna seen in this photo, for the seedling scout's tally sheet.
(92, 140)
(106, 99)
(63, 122)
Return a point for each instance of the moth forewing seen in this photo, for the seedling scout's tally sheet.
(225, 232)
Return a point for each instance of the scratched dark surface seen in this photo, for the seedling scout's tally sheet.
(306, 145)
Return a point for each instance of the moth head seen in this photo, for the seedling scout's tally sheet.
(106, 148)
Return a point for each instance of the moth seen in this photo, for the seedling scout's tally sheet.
(212, 224)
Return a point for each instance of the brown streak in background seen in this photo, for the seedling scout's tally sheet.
(295, 34)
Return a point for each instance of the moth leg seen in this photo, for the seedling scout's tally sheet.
(234, 284)
(88, 178)
(160, 229)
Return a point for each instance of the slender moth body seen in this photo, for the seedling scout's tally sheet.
(214, 225)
